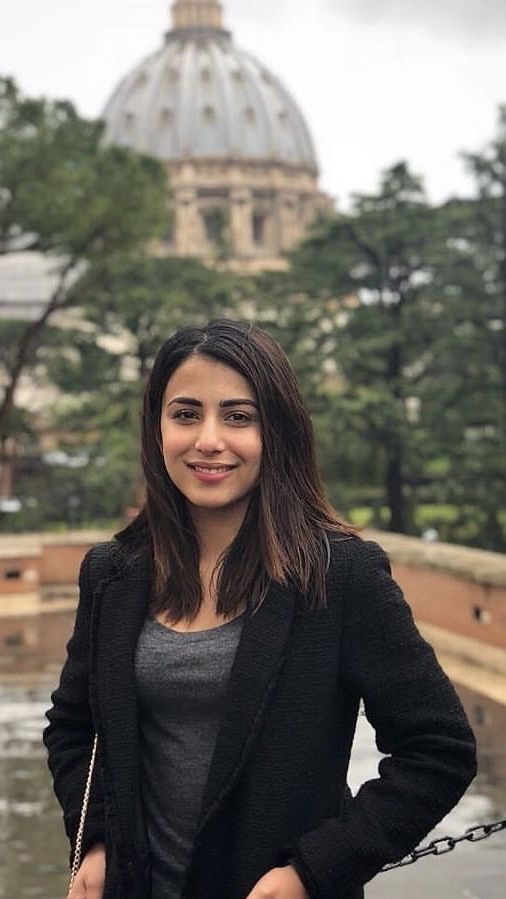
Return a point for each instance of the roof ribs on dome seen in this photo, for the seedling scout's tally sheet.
(201, 97)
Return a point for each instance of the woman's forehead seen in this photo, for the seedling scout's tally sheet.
(202, 378)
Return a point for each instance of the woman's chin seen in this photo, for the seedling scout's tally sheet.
(217, 504)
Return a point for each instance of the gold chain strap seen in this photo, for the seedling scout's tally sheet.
(82, 820)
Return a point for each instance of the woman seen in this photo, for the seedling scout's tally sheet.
(222, 645)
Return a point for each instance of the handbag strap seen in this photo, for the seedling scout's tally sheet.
(84, 809)
(99, 568)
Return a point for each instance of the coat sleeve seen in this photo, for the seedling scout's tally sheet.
(70, 733)
(420, 726)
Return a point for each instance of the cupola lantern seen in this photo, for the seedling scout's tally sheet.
(197, 14)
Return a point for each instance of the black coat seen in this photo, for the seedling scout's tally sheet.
(277, 782)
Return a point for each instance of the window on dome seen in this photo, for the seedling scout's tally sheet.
(237, 76)
(129, 119)
(209, 114)
(205, 75)
(249, 115)
(141, 80)
(166, 115)
(283, 116)
(172, 74)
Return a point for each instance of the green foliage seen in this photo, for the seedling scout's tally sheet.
(148, 298)
(67, 195)
(367, 281)
(63, 191)
(392, 319)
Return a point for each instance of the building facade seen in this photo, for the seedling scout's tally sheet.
(242, 168)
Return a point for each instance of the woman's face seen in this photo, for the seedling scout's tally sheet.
(211, 438)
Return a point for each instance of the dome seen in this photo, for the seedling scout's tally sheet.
(200, 97)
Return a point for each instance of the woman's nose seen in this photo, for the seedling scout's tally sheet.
(209, 437)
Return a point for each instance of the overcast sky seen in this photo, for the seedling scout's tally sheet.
(378, 80)
(469, 18)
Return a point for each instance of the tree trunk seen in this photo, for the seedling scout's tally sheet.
(25, 347)
(7, 453)
(27, 344)
(394, 489)
(394, 480)
(493, 531)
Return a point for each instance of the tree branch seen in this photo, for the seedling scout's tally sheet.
(28, 340)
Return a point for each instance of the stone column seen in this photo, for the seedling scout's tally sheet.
(241, 225)
(291, 230)
(188, 237)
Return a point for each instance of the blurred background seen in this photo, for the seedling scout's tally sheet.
(335, 172)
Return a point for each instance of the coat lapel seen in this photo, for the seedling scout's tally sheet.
(260, 654)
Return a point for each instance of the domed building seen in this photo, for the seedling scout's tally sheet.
(241, 163)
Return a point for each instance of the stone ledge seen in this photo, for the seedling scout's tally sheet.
(15, 605)
(22, 547)
(75, 538)
(477, 565)
(466, 649)
(484, 682)
(51, 594)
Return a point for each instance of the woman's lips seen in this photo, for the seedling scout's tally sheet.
(211, 474)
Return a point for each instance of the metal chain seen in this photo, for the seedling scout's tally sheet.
(84, 809)
(447, 844)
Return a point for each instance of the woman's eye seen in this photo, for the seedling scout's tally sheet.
(188, 415)
(239, 418)
(185, 415)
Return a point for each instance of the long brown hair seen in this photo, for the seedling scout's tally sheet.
(283, 535)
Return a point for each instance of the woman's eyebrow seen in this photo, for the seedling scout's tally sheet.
(240, 401)
(224, 404)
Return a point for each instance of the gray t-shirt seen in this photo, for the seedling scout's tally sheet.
(181, 684)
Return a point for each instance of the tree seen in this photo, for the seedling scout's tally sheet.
(148, 298)
(376, 266)
(473, 427)
(393, 316)
(489, 169)
(63, 193)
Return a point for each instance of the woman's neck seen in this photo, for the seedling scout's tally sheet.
(217, 528)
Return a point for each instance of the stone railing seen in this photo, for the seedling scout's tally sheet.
(458, 594)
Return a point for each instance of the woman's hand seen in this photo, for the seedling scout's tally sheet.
(90, 879)
(279, 883)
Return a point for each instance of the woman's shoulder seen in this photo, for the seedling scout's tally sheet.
(126, 548)
(102, 552)
(101, 560)
(351, 553)
(353, 545)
